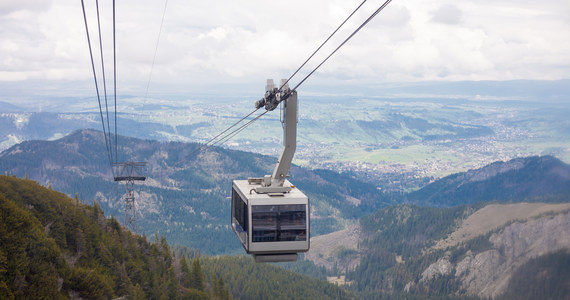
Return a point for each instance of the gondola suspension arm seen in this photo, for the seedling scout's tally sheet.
(273, 97)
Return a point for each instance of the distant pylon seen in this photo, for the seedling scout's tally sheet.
(129, 172)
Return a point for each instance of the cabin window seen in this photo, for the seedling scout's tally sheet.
(279, 223)
(239, 212)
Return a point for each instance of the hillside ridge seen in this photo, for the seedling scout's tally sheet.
(528, 178)
(185, 196)
(465, 251)
(495, 216)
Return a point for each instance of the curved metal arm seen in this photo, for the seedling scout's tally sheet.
(289, 140)
(273, 96)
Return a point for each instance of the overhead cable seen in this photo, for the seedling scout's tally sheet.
(230, 127)
(96, 84)
(238, 130)
(241, 128)
(319, 48)
(234, 133)
(115, 82)
(155, 50)
(208, 145)
(345, 41)
(104, 79)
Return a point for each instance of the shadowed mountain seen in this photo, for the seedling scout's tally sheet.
(534, 178)
(186, 194)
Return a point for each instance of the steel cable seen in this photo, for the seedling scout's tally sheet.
(96, 85)
(233, 133)
(238, 130)
(115, 83)
(319, 48)
(154, 56)
(206, 146)
(104, 79)
(345, 41)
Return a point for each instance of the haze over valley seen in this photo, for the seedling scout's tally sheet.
(382, 137)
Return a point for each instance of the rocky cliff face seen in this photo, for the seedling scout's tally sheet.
(487, 273)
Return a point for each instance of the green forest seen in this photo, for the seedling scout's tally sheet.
(55, 247)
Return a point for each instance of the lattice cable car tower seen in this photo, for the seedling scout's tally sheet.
(129, 172)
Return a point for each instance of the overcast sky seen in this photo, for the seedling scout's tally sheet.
(214, 42)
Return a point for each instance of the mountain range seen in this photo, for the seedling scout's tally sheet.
(186, 194)
(531, 178)
(471, 234)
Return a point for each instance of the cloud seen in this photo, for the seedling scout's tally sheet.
(218, 42)
(447, 14)
(10, 6)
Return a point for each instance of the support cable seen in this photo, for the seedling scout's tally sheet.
(104, 80)
(145, 98)
(230, 127)
(330, 36)
(345, 41)
(96, 84)
(115, 82)
(207, 144)
(234, 133)
(155, 51)
(239, 129)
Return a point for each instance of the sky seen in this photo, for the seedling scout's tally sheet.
(220, 45)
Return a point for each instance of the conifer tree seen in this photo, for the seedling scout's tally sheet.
(196, 279)
(185, 269)
(216, 286)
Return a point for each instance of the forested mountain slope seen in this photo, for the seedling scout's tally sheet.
(55, 247)
(410, 252)
(537, 178)
(186, 194)
(246, 279)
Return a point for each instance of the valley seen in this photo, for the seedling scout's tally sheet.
(366, 238)
(395, 138)
(451, 196)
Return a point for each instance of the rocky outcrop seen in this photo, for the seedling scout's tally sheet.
(441, 267)
(488, 272)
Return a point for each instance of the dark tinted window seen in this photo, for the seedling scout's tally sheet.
(279, 223)
(239, 211)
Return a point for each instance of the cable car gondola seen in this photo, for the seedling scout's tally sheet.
(270, 216)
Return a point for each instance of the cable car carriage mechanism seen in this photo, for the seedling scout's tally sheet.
(270, 216)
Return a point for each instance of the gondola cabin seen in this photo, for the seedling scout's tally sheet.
(273, 227)
(270, 216)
